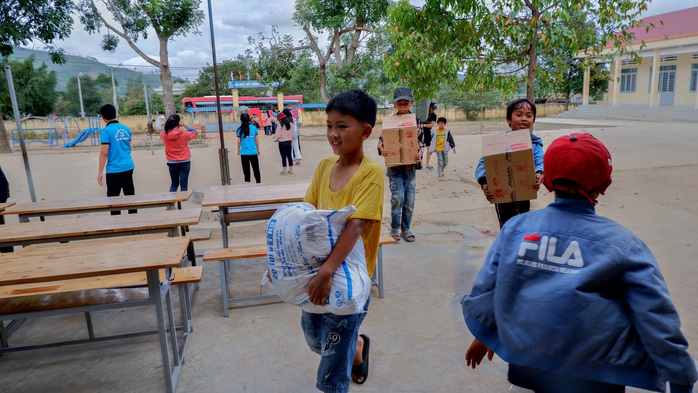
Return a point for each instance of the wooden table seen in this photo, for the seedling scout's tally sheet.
(23, 234)
(84, 260)
(168, 200)
(250, 202)
(247, 202)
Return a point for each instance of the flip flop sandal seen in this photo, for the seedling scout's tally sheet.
(395, 234)
(408, 236)
(361, 370)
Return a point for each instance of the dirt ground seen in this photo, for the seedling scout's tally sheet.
(654, 191)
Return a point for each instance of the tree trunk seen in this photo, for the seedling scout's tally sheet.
(530, 85)
(166, 80)
(532, 57)
(4, 138)
(323, 83)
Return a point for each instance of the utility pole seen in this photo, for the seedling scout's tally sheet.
(113, 89)
(20, 132)
(147, 111)
(82, 108)
(222, 152)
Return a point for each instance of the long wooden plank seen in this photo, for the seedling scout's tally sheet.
(6, 205)
(247, 195)
(86, 204)
(182, 275)
(258, 250)
(83, 259)
(60, 230)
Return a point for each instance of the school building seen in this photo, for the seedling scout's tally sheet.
(670, 48)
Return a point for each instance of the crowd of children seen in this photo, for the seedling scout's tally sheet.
(571, 300)
(611, 322)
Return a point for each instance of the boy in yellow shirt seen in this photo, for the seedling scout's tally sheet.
(348, 178)
(441, 143)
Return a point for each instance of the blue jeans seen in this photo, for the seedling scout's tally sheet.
(334, 338)
(443, 162)
(403, 184)
(179, 175)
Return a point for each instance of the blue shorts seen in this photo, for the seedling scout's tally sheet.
(334, 338)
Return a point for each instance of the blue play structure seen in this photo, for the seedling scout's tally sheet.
(91, 132)
(50, 134)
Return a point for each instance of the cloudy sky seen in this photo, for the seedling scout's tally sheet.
(234, 21)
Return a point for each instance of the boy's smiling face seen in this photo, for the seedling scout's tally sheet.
(522, 118)
(346, 134)
(403, 106)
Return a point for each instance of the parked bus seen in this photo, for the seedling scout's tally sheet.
(256, 104)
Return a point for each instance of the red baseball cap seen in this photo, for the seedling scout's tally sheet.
(580, 159)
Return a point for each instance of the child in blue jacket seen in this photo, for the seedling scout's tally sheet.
(521, 114)
(573, 301)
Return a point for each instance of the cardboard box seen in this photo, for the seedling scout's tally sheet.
(509, 165)
(400, 139)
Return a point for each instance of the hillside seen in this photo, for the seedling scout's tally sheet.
(77, 64)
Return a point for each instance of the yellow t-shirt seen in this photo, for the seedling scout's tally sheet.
(440, 136)
(364, 190)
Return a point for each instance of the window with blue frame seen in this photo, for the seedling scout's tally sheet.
(628, 80)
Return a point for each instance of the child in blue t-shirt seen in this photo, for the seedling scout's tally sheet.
(248, 148)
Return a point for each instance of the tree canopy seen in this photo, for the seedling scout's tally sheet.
(495, 45)
(133, 20)
(350, 26)
(38, 93)
(43, 20)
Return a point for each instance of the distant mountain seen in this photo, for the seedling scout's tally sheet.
(90, 66)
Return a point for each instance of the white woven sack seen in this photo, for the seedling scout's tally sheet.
(299, 239)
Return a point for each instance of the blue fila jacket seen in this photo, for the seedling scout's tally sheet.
(569, 292)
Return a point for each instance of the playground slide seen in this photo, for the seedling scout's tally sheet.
(84, 134)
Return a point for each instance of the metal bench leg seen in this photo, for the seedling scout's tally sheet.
(3, 335)
(379, 270)
(90, 326)
(154, 289)
(224, 286)
(173, 326)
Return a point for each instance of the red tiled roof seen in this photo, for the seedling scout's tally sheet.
(675, 24)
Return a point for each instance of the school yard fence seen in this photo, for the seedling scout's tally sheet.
(311, 117)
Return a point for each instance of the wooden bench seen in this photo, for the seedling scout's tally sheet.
(199, 234)
(102, 292)
(260, 250)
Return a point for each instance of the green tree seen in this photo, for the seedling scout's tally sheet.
(92, 98)
(35, 88)
(23, 21)
(131, 20)
(496, 44)
(347, 23)
(204, 85)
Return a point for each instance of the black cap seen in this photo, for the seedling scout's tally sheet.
(402, 93)
(433, 105)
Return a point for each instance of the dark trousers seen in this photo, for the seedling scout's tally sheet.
(505, 211)
(252, 160)
(545, 382)
(179, 175)
(121, 181)
(286, 151)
